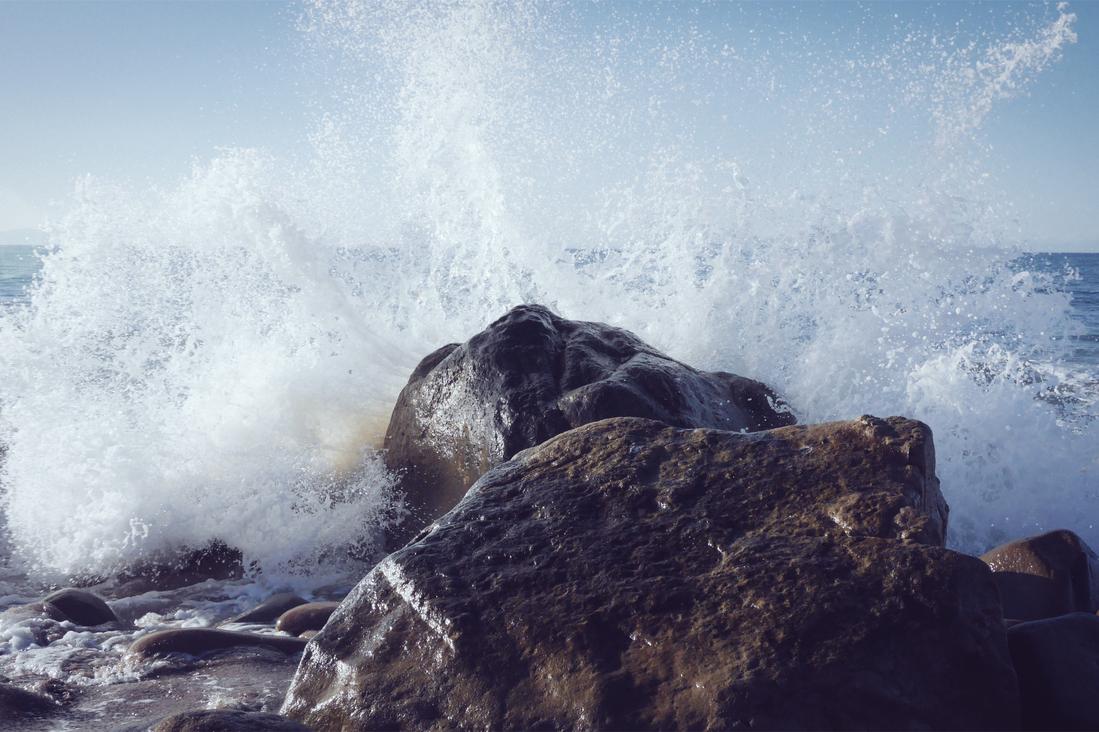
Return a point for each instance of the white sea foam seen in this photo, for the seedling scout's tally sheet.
(218, 360)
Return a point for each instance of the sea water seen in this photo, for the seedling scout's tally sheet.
(217, 360)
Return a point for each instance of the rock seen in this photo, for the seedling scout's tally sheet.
(196, 641)
(79, 606)
(532, 375)
(217, 561)
(270, 609)
(17, 613)
(16, 703)
(223, 720)
(1045, 576)
(1057, 662)
(629, 575)
(311, 616)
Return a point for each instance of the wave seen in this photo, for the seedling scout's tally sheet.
(218, 360)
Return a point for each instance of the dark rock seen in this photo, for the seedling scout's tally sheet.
(17, 613)
(270, 609)
(223, 720)
(628, 575)
(1045, 576)
(311, 616)
(196, 641)
(217, 561)
(16, 703)
(532, 375)
(1057, 662)
(41, 620)
(79, 606)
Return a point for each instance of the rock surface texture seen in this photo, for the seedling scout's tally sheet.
(1057, 662)
(20, 704)
(1046, 576)
(197, 641)
(270, 609)
(303, 618)
(631, 575)
(532, 375)
(80, 606)
(222, 720)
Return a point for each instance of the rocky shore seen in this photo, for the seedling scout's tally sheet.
(596, 536)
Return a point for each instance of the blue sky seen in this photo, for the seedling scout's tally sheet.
(136, 92)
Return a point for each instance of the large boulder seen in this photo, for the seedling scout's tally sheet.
(631, 575)
(1045, 576)
(532, 375)
(1057, 661)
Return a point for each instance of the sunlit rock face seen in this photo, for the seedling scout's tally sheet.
(531, 375)
(632, 575)
(1045, 576)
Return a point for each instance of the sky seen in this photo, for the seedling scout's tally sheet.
(138, 92)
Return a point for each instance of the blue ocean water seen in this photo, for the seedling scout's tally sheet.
(1082, 282)
(18, 265)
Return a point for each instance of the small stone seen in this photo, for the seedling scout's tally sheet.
(270, 609)
(16, 703)
(311, 616)
(79, 606)
(1045, 576)
(1057, 663)
(197, 641)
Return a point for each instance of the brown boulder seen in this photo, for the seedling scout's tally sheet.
(629, 575)
(1045, 576)
(532, 375)
(1057, 662)
(197, 641)
(310, 616)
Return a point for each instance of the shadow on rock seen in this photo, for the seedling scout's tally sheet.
(532, 375)
(631, 575)
(1045, 576)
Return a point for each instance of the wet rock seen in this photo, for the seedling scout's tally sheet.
(79, 606)
(629, 575)
(532, 375)
(248, 679)
(17, 613)
(197, 641)
(311, 616)
(1045, 576)
(16, 703)
(35, 623)
(217, 561)
(1057, 662)
(221, 720)
(270, 609)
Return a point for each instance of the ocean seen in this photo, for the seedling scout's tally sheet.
(1082, 284)
(217, 359)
